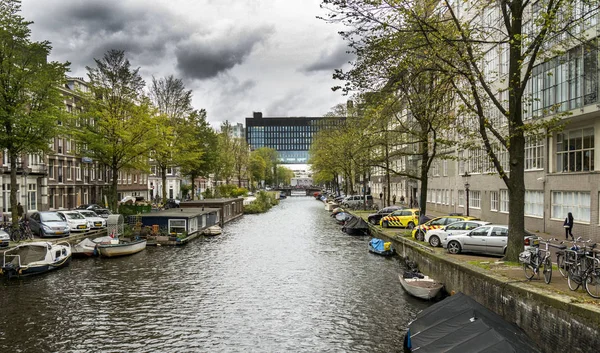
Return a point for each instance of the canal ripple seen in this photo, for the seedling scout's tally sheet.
(285, 281)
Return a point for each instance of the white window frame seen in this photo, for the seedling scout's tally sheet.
(576, 202)
(534, 203)
(177, 224)
(475, 199)
(504, 201)
(494, 201)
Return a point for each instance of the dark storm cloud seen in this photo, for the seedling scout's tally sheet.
(83, 30)
(330, 60)
(205, 57)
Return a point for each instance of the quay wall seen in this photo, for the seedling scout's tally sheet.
(554, 322)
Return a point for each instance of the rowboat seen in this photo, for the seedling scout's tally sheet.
(121, 248)
(35, 258)
(213, 230)
(420, 286)
(87, 247)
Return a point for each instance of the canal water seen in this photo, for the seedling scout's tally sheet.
(288, 280)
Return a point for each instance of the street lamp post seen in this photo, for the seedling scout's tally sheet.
(467, 185)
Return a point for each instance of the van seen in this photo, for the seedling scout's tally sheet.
(357, 200)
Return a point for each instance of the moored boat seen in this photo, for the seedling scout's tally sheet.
(35, 258)
(356, 226)
(121, 248)
(420, 286)
(330, 206)
(213, 230)
(87, 247)
(379, 247)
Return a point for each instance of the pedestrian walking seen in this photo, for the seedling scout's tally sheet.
(568, 224)
(394, 199)
(381, 195)
(20, 210)
(402, 199)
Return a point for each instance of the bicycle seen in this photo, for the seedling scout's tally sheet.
(565, 258)
(591, 281)
(533, 260)
(584, 263)
(22, 232)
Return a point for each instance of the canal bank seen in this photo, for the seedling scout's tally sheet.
(555, 321)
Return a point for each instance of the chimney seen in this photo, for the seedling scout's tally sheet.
(257, 115)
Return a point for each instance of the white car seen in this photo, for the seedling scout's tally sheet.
(94, 221)
(435, 237)
(4, 238)
(77, 222)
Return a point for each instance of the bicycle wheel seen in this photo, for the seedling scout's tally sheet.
(562, 266)
(592, 283)
(529, 271)
(574, 277)
(15, 235)
(547, 270)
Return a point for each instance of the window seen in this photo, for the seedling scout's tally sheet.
(176, 226)
(534, 203)
(493, 201)
(77, 170)
(461, 198)
(534, 152)
(474, 199)
(31, 197)
(504, 200)
(575, 150)
(576, 202)
(51, 169)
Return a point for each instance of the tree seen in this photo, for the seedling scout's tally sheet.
(285, 175)
(270, 157)
(197, 155)
(119, 123)
(256, 168)
(457, 36)
(226, 159)
(241, 154)
(30, 102)
(174, 102)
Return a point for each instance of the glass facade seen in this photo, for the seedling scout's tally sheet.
(290, 137)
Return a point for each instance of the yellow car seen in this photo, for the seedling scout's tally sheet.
(438, 222)
(407, 218)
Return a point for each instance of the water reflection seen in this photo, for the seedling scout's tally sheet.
(287, 280)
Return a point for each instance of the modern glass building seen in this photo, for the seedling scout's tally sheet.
(290, 136)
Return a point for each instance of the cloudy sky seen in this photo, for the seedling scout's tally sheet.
(238, 56)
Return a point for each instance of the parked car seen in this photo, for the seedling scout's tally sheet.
(357, 200)
(171, 203)
(77, 222)
(489, 239)
(94, 221)
(407, 218)
(435, 223)
(88, 206)
(4, 239)
(102, 212)
(48, 224)
(376, 217)
(435, 236)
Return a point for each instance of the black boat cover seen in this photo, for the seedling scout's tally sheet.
(459, 324)
(356, 225)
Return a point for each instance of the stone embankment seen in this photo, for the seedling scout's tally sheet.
(557, 319)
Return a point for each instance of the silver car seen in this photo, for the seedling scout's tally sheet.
(48, 224)
(4, 238)
(435, 237)
(489, 239)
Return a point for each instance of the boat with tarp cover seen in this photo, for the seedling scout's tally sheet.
(380, 247)
(356, 226)
(35, 258)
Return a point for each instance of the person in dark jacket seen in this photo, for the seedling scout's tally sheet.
(568, 226)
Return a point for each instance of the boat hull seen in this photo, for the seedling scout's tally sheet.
(51, 262)
(424, 288)
(382, 253)
(121, 249)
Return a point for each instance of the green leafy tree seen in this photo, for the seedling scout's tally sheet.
(174, 102)
(197, 153)
(284, 175)
(457, 36)
(119, 123)
(241, 155)
(256, 168)
(30, 101)
(270, 157)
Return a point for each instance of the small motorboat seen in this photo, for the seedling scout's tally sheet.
(331, 205)
(342, 217)
(121, 248)
(87, 247)
(356, 226)
(379, 247)
(213, 230)
(35, 258)
(419, 285)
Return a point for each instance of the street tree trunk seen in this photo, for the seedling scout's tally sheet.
(163, 177)
(13, 189)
